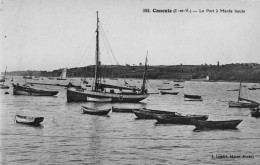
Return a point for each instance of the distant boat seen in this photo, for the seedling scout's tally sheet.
(63, 75)
(232, 89)
(242, 102)
(178, 80)
(178, 118)
(192, 97)
(252, 88)
(26, 90)
(28, 120)
(144, 113)
(123, 110)
(99, 89)
(92, 111)
(164, 88)
(51, 78)
(255, 112)
(12, 78)
(228, 124)
(166, 82)
(3, 86)
(178, 86)
(169, 93)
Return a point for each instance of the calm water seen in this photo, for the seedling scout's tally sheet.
(69, 137)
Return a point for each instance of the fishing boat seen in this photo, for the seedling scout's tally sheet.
(164, 88)
(168, 93)
(228, 124)
(63, 75)
(28, 120)
(101, 90)
(3, 86)
(192, 97)
(255, 112)
(92, 111)
(242, 102)
(26, 90)
(123, 110)
(144, 113)
(178, 118)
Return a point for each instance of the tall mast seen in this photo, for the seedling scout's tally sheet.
(144, 76)
(97, 57)
(239, 91)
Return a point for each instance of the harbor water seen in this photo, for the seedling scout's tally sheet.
(66, 136)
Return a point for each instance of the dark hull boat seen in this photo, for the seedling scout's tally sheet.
(25, 90)
(149, 113)
(164, 88)
(168, 93)
(123, 110)
(228, 124)
(178, 118)
(28, 120)
(92, 111)
(2, 86)
(255, 112)
(192, 97)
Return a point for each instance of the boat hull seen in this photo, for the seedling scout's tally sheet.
(149, 114)
(74, 95)
(229, 124)
(242, 104)
(168, 93)
(178, 119)
(86, 110)
(123, 110)
(19, 90)
(28, 120)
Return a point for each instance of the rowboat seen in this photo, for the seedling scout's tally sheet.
(192, 97)
(168, 92)
(144, 113)
(123, 110)
(228, 124)
(178, 118)
(92, 111)
(164, 88)
(26, 90)
(178, 86)
(28, 120)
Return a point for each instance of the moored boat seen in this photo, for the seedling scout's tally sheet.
(3, 86)
(28, 120)
(99, 90)
(123, 110)
(192, 97)
(164, 88)
(144, 113)
(228, 124)
(26, 90)
(93, 111)
(168, 92)
(178, 118)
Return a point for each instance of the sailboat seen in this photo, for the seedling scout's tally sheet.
(63, 74)
(2, 86)
(99, 90)
(242, 102)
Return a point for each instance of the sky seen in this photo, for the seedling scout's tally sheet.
(54, 34)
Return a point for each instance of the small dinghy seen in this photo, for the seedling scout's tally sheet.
(178, 118)
(192, 97)
(144, 113)
(168, 93)
(92, 111)
(228, 124)
(164, 88)
(28, 120)
(123, 110)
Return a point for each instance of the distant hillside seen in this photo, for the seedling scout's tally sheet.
(230, 72)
